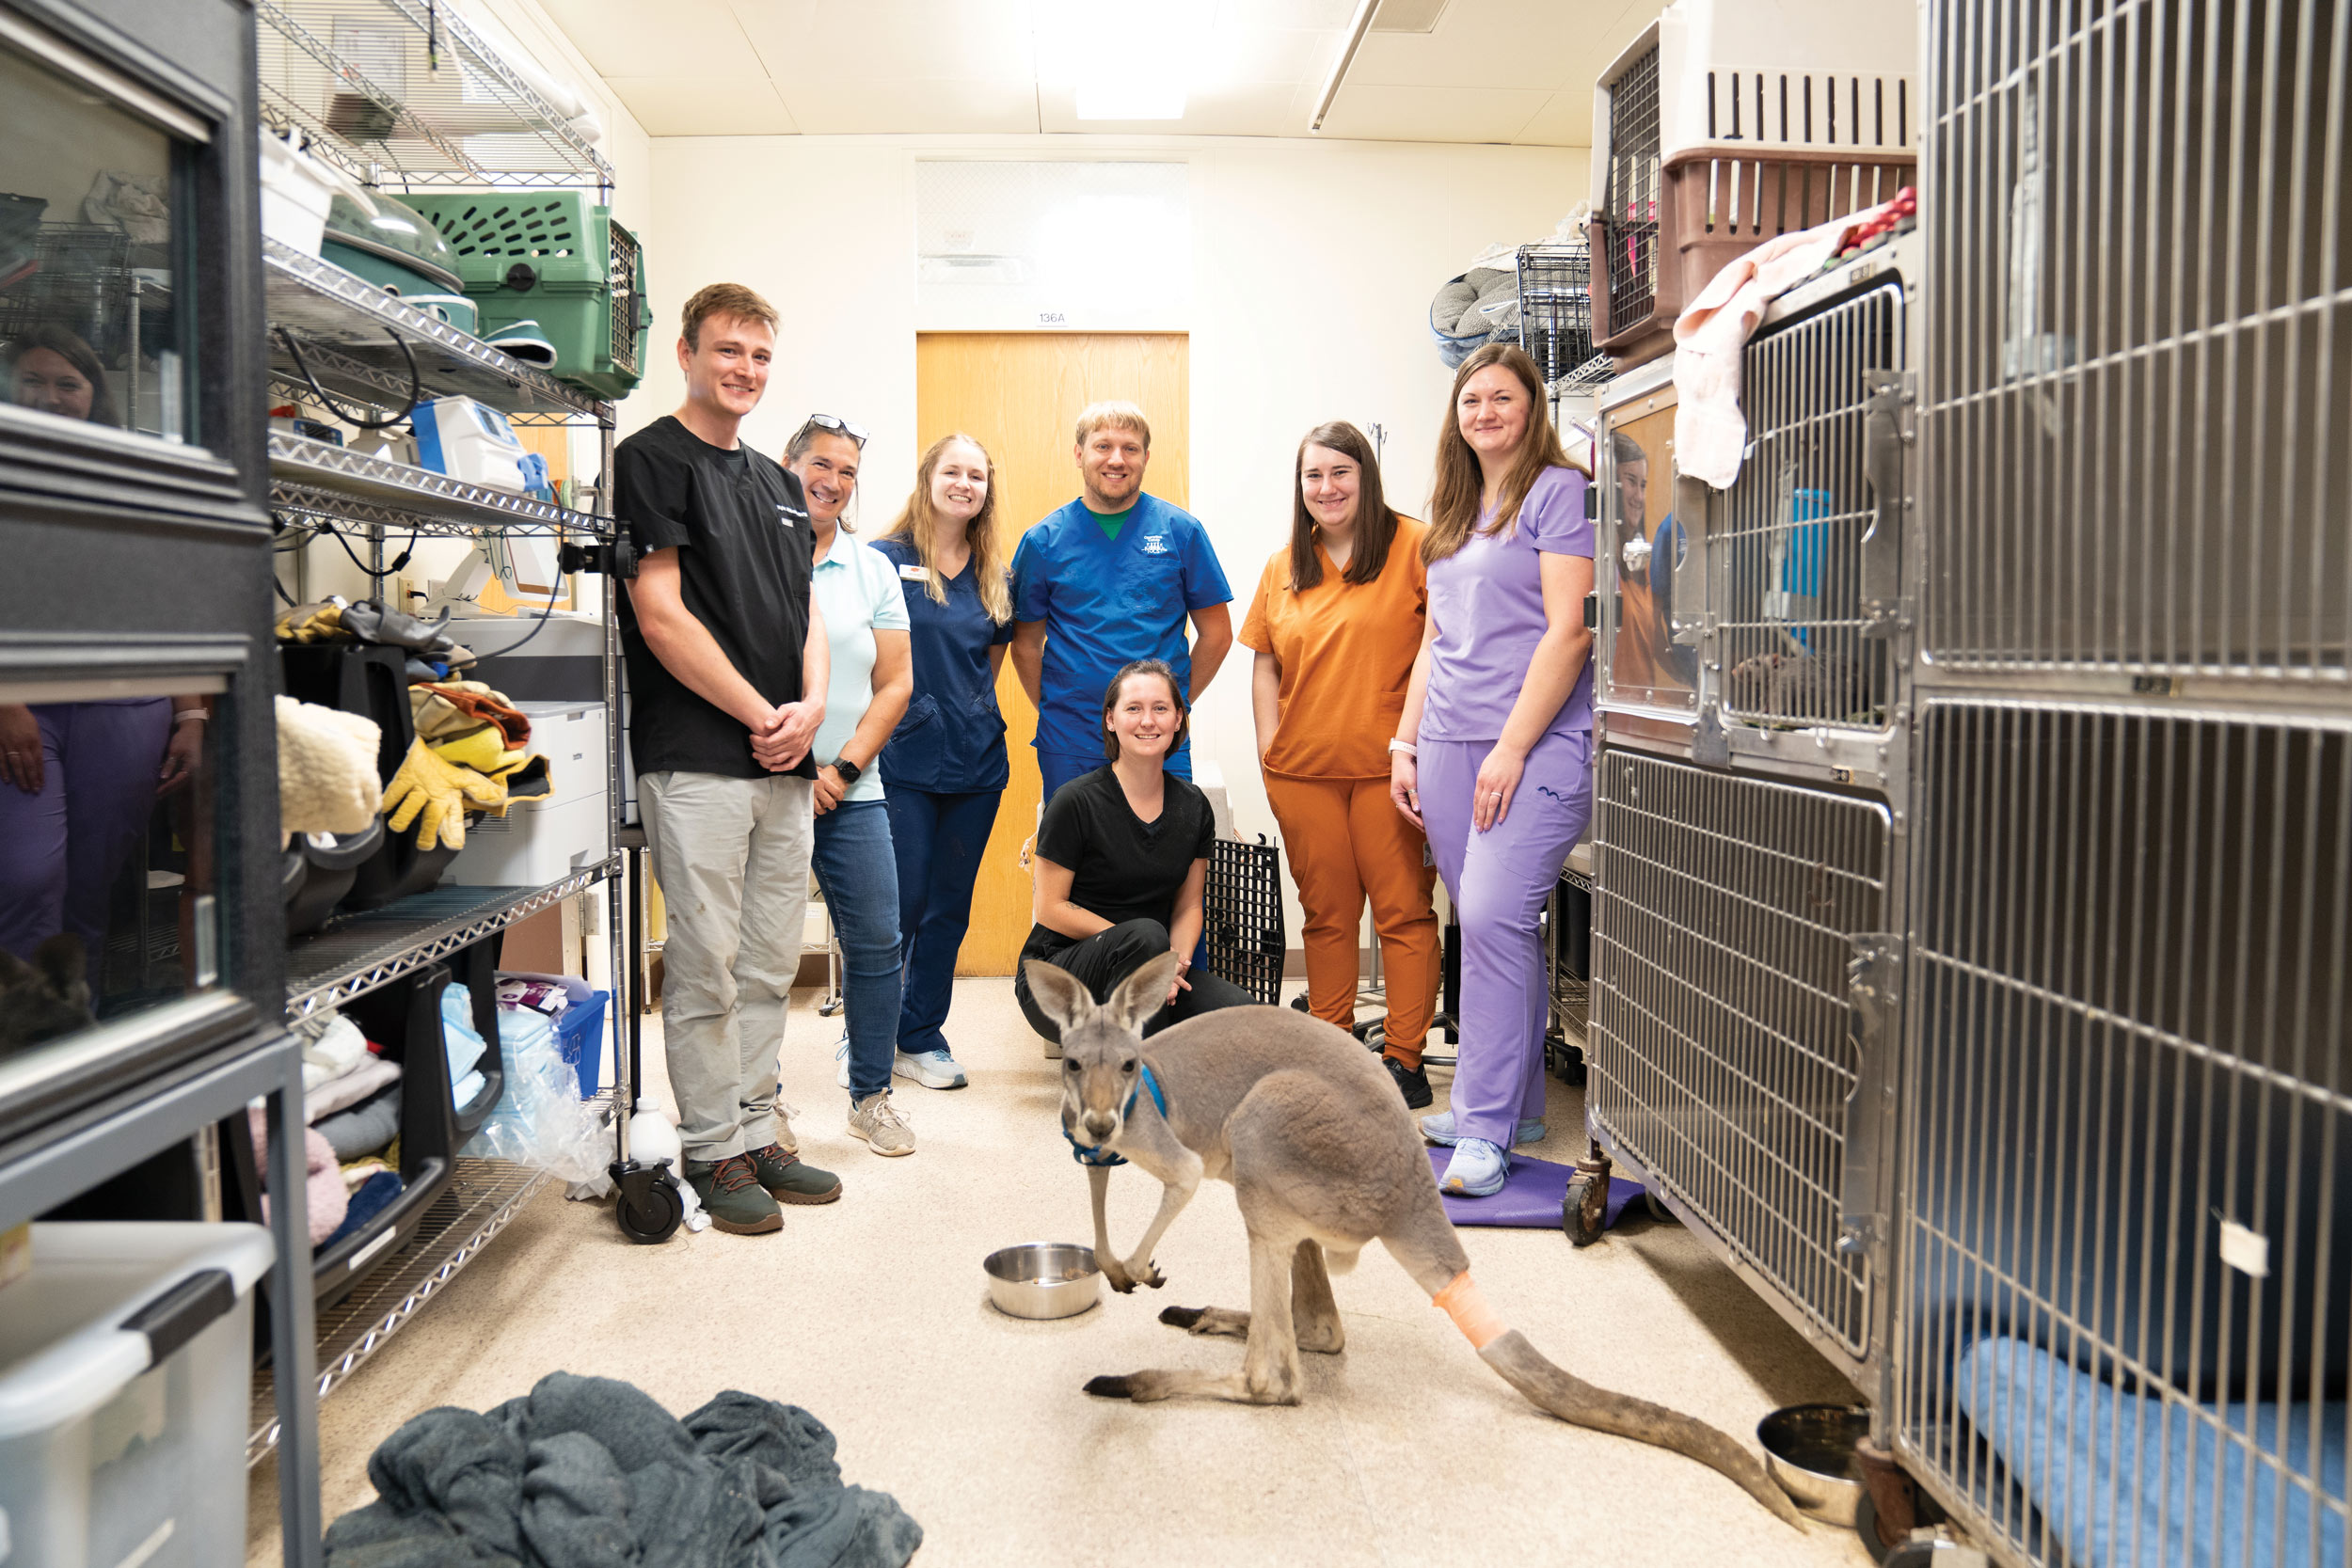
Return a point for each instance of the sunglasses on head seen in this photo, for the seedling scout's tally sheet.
(856, 432)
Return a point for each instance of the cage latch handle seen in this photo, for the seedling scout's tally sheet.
(1885, 434)
(1874, 1002)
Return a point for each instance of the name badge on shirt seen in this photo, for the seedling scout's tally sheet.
(916, 574)
(784, 514)
(1155, 544)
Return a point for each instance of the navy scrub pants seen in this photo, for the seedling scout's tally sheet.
(938, 840)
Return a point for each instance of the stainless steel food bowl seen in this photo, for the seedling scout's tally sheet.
(1043, 1280)
(1809, 1449)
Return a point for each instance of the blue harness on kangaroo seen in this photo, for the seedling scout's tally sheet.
(1095, 1155)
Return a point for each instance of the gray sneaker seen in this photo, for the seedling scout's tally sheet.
(877, 1121)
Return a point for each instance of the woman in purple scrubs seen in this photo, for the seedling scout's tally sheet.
(1493, 755)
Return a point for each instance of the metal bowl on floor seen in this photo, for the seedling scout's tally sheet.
(1809, 1449)
(1043, 1280)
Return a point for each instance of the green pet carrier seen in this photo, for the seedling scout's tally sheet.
(555, 257)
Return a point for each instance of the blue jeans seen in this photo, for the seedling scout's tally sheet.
(1059, 767)
(859, 874)
(938, 839)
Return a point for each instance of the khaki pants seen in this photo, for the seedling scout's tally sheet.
(732, 858)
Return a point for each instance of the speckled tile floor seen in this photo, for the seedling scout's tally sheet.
(870, 1313)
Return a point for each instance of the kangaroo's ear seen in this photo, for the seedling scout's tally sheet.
(1142, 993)
(1060, 995)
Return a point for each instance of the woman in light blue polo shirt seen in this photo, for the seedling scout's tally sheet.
(873, 676)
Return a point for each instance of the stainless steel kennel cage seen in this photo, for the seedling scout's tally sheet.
(2123, 1302)
(1748, 806)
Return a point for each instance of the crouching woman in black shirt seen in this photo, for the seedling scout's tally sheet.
(1120, 858)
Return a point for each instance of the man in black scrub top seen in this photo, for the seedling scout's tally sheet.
(727, 668)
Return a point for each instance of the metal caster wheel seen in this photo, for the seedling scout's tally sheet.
(1299, 1002)
(828, 1009)
(649, 1208)
(1584, 1212)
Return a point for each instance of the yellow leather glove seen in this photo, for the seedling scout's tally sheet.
(484, 751)
(311, 622)
(440, 792)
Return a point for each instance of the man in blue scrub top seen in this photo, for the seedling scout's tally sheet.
(1110, 579)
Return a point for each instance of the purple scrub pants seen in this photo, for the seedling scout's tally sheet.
(1499, 881)
(60, 850)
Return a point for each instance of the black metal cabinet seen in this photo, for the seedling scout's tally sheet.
(133, 529)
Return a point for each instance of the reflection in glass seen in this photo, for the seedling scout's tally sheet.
(1647, 665)
(106, 821)
(88, 259)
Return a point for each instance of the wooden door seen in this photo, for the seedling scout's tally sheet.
(1019, 394)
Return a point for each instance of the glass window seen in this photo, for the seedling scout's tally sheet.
(92, 220)
(106, 856)
(1647, 666)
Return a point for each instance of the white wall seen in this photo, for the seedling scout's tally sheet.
(1313, 270)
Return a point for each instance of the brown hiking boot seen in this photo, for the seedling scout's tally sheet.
(790, 1180)
(732, 1196)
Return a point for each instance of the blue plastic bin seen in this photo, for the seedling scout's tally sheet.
(580, 1036)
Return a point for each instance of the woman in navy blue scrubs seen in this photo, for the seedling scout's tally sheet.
(945, 768)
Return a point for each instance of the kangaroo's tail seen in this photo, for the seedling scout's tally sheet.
(1579, 1403)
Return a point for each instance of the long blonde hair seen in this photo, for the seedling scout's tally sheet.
(1454, 503)
(918, 524)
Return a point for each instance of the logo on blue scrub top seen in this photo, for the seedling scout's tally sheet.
(1155, 544)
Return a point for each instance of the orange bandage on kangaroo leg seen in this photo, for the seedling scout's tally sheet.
(1461, 1301)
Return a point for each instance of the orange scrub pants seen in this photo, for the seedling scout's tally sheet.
(1347, 841)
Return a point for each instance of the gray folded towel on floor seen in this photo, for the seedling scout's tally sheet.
(587, 1472)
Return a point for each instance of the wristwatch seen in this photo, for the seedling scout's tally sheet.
(847, 770)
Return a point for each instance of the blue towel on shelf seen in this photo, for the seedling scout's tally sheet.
(373, 1197)
(2151, 1484)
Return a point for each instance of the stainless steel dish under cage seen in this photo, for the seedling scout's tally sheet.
(2125, 1314)
(1735, 918)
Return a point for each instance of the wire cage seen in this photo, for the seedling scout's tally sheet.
(1627, 234)
(1788, 543)
(2143, 445)
(1721, 1054)
(1556, 308)
(1241, 903)
(80, 280)
(2125, 1316)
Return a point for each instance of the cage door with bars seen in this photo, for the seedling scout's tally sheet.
(2125, 1311)
(1805, 549)
(1721, 1054)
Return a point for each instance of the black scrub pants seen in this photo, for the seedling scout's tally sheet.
(1106, 957)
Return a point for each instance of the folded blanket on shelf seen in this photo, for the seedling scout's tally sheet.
(339, 1049)
(327, 1197)
(368, 1200)
(364, 1129)
(340, 1094)
(586, 1472)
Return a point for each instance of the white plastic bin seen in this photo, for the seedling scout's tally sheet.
(126, 1365)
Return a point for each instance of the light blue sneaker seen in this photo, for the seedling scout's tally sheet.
(933, 1069)
(1440, 1129)
(1477, 1170)
(841, 1061)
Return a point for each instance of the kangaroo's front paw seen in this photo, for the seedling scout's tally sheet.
(1115, 1274)
(1146, 1273)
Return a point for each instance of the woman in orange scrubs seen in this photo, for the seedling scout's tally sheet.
(1336, 622)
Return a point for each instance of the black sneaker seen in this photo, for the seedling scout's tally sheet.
(1411, 1082)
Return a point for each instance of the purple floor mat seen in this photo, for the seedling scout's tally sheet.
(1531, 1195)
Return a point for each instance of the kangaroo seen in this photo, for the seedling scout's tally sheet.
(1323, 1158)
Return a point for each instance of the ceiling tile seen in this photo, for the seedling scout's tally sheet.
(1566, 120)
(1258, 109)
(879, 40)
(848, 106)
(677, 37)
(705, 105)
(1499, 44)
(1432, 114)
